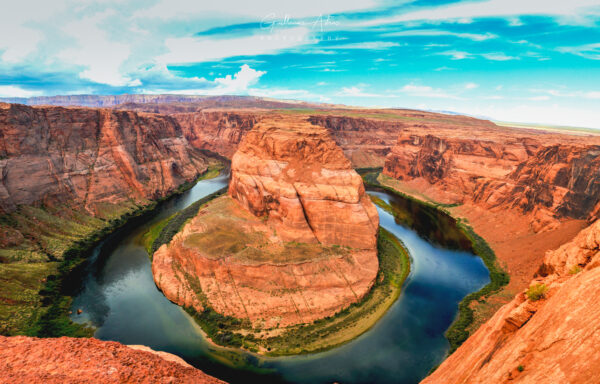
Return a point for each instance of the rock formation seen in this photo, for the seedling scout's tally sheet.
(295, 242)
(293, 174)
(85, 156)
(546, 182)
(69, 360)
(553, 339)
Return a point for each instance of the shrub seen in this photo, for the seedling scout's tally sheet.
(536, 292)
(575, 269)
(520, 368)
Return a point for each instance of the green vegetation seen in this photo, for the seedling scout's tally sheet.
(43, 256)
(574, 270)
(173, 224)
(520, 368)
(394, 267)
(536, 292)
(457, 333)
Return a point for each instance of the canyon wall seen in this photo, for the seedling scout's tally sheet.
(55, 155)
(549, 338)
(543, 180)
(70, 360)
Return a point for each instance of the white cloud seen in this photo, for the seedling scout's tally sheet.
(355, 92)
(241, 81)
(471, 85)
(589, 51)
(573, 11)
(14, 91)
(539, 98)
(456, 55)
(426, 91)
(563, 93)
(239, 84)
(258, 9)
(18, 27)
(493, 56)
(498, 56)
(183, 50)
(372, 45)
(101, 56)
(437, 32)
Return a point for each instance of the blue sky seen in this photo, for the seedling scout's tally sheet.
(515, 60)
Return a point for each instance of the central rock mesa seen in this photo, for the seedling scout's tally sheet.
(294, 240)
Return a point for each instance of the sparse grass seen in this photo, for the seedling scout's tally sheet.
(41, 266)
(574, 270)
(20, 301)
(536, 292)
(321, 334)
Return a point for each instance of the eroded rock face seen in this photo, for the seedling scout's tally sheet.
(546, 182)
(552, 340)
(56, 155)
(69, 360)
(293, 242)
(293, 174)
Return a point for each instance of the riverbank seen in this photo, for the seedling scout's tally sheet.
(462, 326)
(36, 292)
(323, 334)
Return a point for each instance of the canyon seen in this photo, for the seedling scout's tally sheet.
(294, 241)
(298, 229)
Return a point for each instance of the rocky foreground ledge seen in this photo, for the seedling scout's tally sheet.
(70, 360)
(548, 334)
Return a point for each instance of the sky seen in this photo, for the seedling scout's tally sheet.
(535, 61)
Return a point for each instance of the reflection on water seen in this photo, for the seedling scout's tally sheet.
(120, 298)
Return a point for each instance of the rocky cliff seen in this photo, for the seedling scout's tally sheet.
(293, 174)
(545, 182)
(549, 334)
(54, 155)
(68, 175)
(69, 360)
(295, 242)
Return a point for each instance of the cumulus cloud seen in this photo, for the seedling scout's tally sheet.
(14, 91)
(101, 57)
(238, 84)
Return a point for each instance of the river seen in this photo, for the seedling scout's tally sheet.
(120, 299)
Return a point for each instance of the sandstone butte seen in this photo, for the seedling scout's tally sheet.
(293, 242)
(70, 360)
(551, 340)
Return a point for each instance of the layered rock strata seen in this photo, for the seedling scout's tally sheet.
(55, 155)
(550, 339)
(545, 182)
(294, 242)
